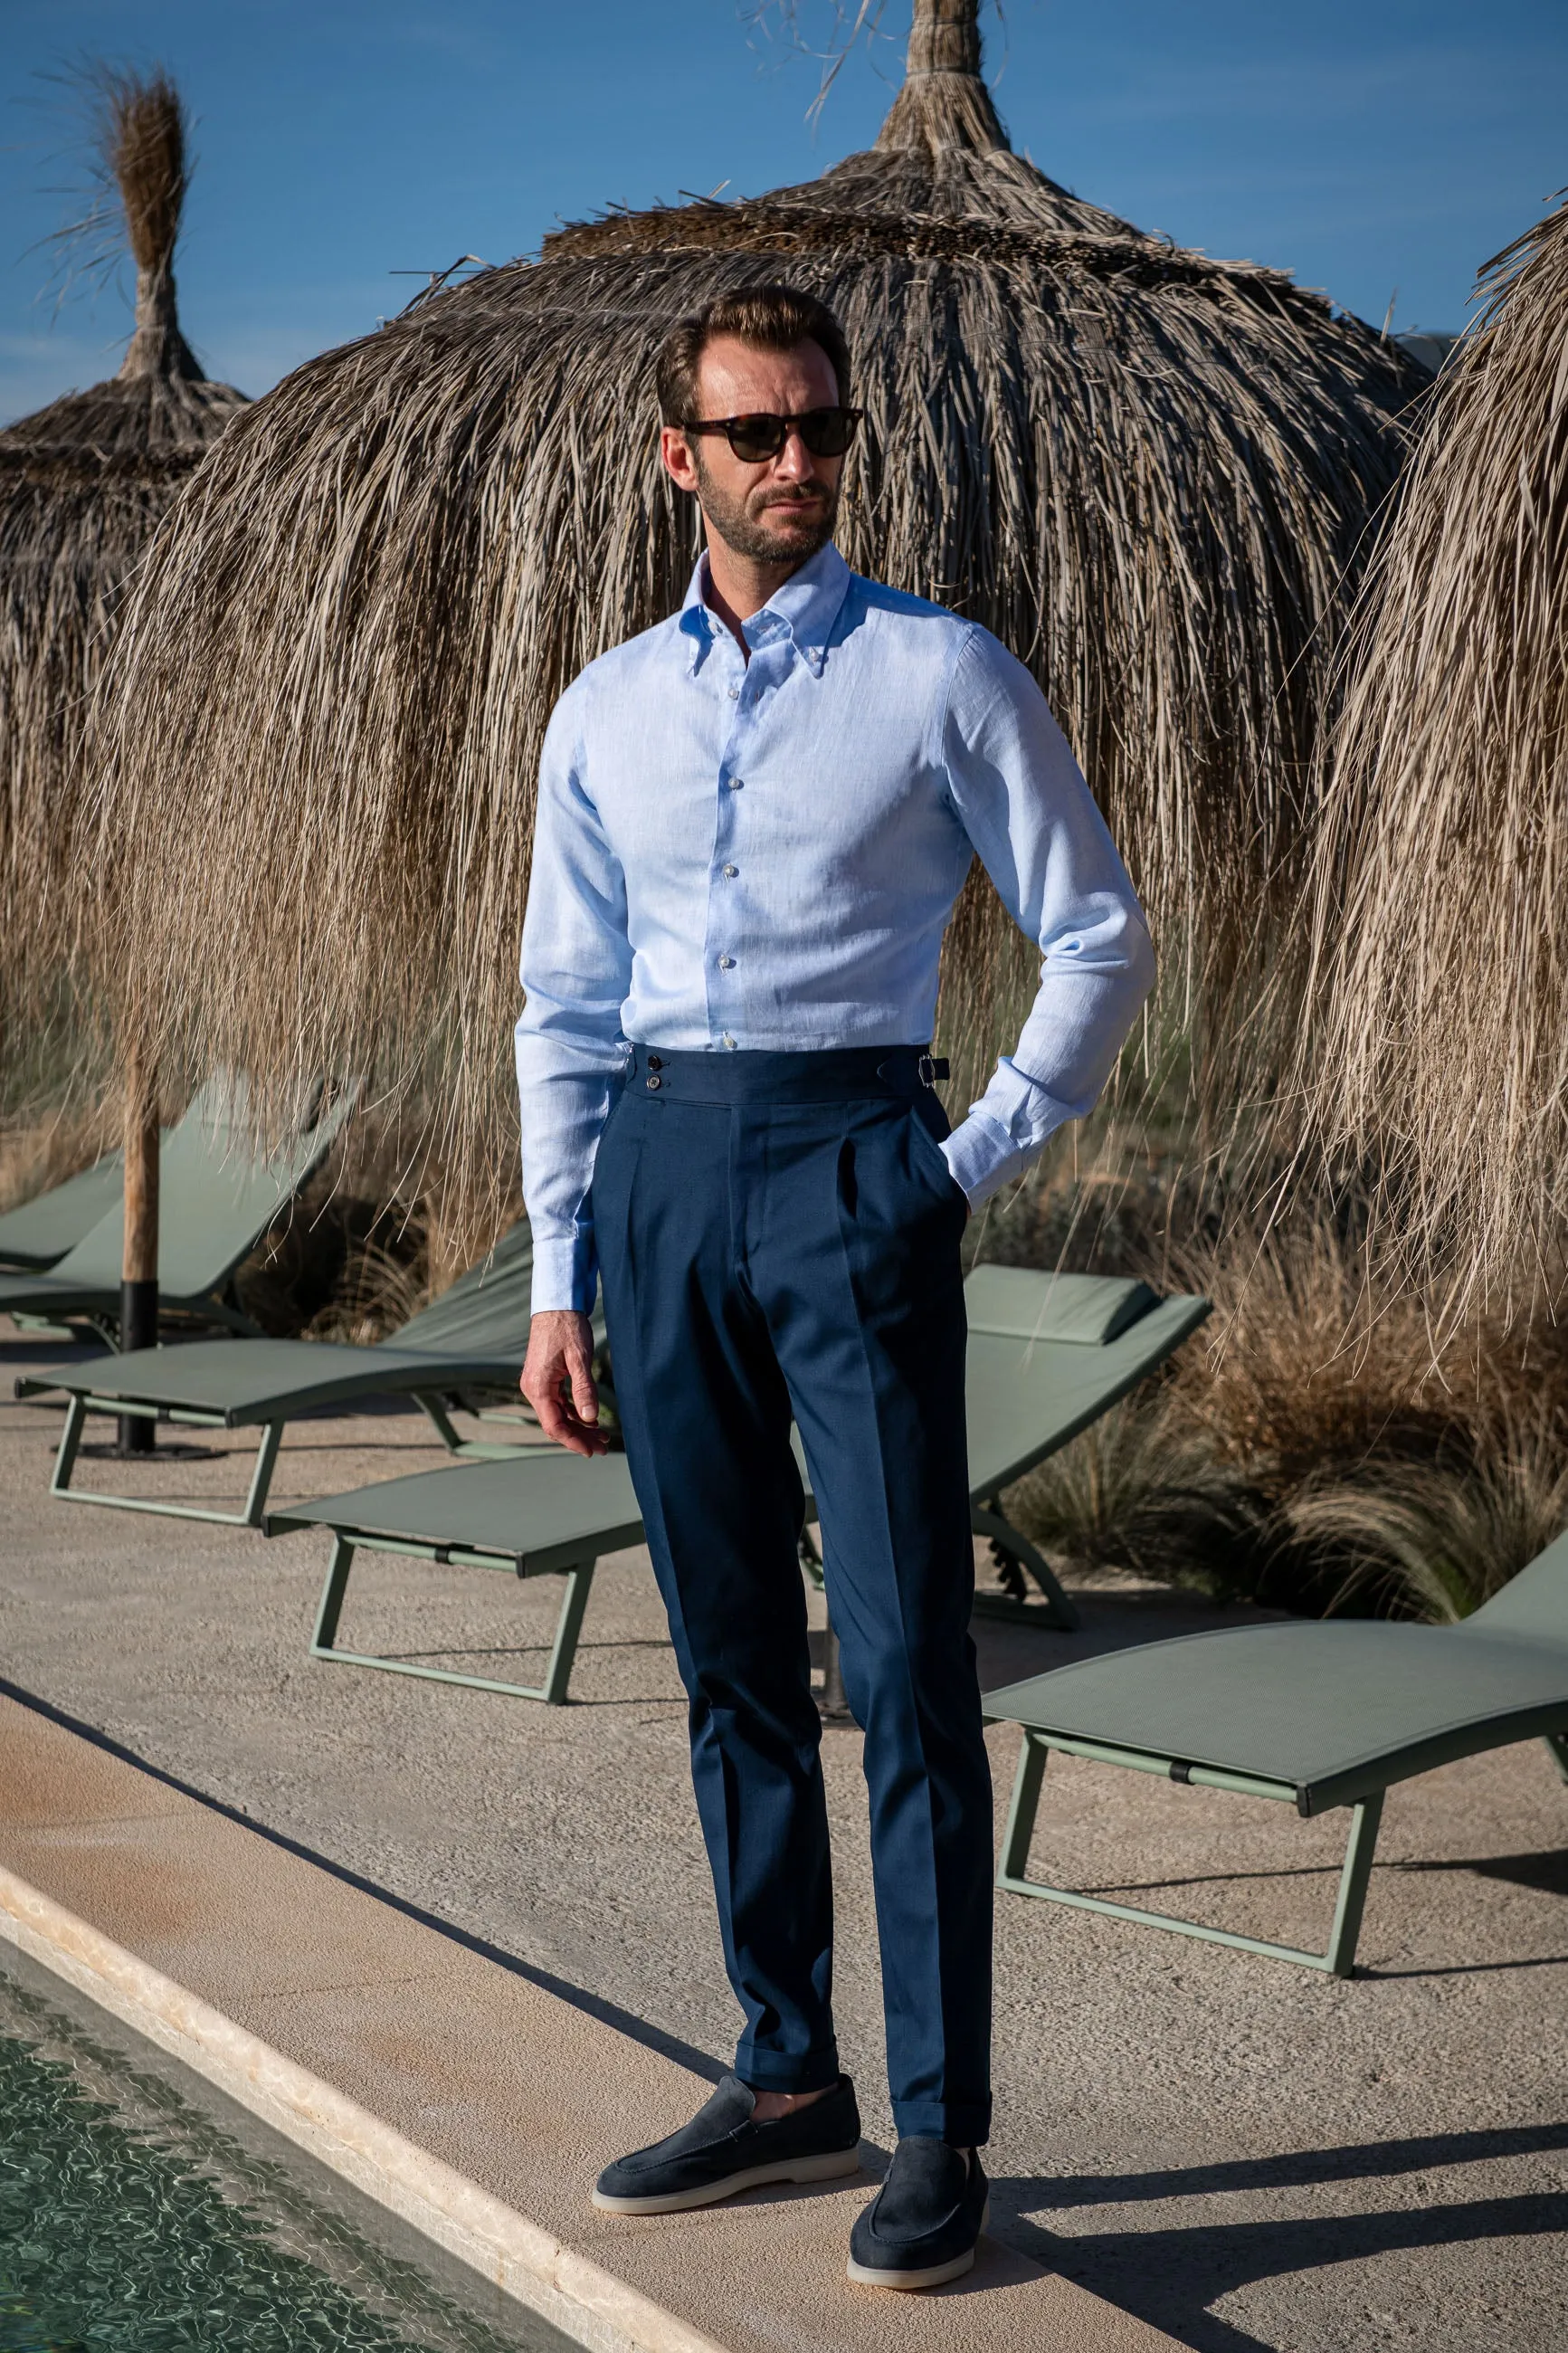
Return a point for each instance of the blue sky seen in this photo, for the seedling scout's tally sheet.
(1364, 147)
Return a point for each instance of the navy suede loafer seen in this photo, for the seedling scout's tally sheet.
(721, 2151)
(920, 2228)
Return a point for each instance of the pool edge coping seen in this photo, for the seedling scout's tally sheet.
(520, 2258)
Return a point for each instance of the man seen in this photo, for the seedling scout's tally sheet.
(753, 821)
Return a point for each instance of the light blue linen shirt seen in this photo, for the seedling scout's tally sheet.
(763, 855)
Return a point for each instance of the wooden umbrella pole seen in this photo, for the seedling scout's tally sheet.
(832, 1704)
(139, 1272)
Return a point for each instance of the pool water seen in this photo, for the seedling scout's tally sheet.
(141, 2212)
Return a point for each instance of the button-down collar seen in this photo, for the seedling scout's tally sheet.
(805, 610)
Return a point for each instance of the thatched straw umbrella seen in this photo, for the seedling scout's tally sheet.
(1147, 470)
(83, 486)
(1439, 1026)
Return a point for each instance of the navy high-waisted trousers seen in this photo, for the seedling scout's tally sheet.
(778, 1235)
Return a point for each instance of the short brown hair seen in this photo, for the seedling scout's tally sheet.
(773, 317)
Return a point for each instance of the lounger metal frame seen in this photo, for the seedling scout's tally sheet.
(220, 1310)
(576, 1567)
(1367, 1814)
(987, 1519)
(1055, 1609)
(1338, 1959)
(82, 1403)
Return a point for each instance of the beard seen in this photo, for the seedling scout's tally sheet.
(759, 525)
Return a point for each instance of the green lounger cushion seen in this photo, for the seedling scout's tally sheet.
(243, 1383)
(1026, 1397)
(216, 1201)
(540, 1510)
(474, 1336)
(41, 1231)
(1084, 1310)
(1336, 1710)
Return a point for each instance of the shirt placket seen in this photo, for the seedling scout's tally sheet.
(743, 685)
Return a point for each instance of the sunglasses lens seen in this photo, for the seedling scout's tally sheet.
(753, 439)
(828, 432)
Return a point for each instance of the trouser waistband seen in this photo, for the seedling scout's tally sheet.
(836, 1074)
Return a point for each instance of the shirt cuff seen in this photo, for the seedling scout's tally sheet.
(564, 1275)
(1005, 1130)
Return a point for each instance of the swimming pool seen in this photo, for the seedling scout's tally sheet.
(141, 2212)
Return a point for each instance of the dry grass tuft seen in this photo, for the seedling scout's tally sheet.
(1437, 1056)
(60, 1102)
(1148, 471)
(1141, 1490)
(376, 1293)
(1435, 1539)
(373, 1238)
(1301, 1367)
(1322, 1443)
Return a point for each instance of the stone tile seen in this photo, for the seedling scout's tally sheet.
(51, 1774)
(217, 1908)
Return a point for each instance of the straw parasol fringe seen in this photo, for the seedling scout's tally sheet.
(83, 485)
(1147, 470)
(1438, 1044)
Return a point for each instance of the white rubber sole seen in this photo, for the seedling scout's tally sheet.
(837, 2163)
(935, 2275)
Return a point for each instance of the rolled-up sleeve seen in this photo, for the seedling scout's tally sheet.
(1022, 799)
(571, 1049)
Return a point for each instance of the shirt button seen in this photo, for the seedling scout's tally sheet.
(731, 872)
(725, 962)
(735, 785)
(735, 694)
(728, 1040)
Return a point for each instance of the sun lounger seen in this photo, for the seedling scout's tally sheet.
(37, 1234)
(216, 1201)
(473, 1338)
(541, 1513)
(1315, 1716)
(1047, 1354)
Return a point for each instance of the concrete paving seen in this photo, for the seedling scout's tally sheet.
(318, 1991)
(1238, 2153)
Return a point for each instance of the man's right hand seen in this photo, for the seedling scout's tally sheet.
(558, 1380)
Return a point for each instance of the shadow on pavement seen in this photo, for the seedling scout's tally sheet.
(1372, 2160)
(1173, 2277)
(1547, 1873)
